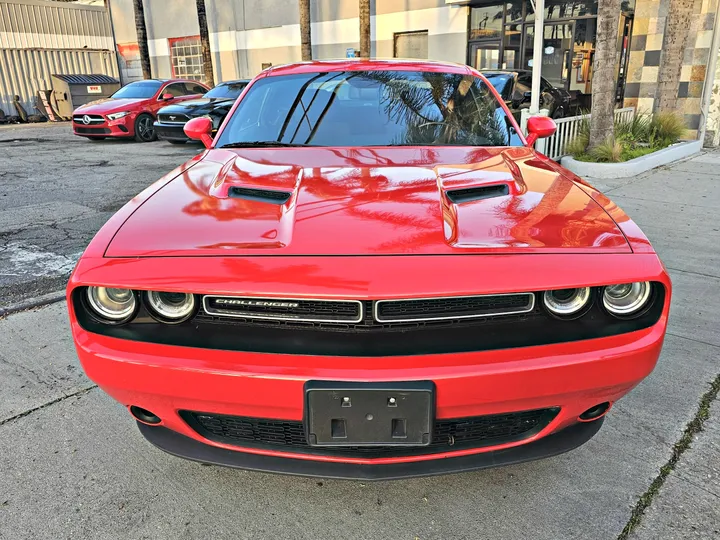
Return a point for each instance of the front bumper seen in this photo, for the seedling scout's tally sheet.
(168, 379)
(188, 448)
(170, 132)
(122, 127)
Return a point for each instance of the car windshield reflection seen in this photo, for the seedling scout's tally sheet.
(370, 108)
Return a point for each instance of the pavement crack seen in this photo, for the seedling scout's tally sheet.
(693, 273)
(714, 345)
(23, 414)
(693, 427)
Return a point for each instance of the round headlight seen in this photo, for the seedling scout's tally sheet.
(565, 302)
(626, 298)
(171, 306)
(112, 304)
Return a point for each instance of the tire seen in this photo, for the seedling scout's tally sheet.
(144, 129)
(175, 141)
(558, 113)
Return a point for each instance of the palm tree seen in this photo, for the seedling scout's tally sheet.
(205, 43)
(677, 24)
(364, 28)
(142, 38)
(305, 34)
(604, 66)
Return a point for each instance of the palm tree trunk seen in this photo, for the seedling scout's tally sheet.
(604, 67)
(305, 35)
(205, 43)
(671, 58)
(142, 38)
(364, 28)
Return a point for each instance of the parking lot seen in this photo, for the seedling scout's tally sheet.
(75, 466)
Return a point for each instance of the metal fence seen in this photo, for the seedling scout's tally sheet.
(568, 128)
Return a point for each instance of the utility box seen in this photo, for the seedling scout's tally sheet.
(71, 91)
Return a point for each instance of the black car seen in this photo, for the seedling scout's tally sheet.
(215, 105)
(514, 86)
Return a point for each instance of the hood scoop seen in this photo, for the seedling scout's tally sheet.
(458, 196)
(259, 195)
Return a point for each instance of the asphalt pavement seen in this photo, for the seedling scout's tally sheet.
(73, 465)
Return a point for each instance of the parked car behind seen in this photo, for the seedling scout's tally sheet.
(215, 105)
(515, 88)
(130, 112)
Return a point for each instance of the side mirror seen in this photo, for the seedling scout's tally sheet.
(539, 127)
(167, 96)
(200, 129)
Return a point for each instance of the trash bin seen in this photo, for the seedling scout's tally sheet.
(71, 91)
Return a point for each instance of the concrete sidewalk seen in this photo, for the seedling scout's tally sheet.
(74, 466)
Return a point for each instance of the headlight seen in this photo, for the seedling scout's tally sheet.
(115, 116)
(171, 306)
(565, 302)
(112, 304)
(626, 298)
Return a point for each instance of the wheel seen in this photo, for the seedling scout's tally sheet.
(144, 129)
(175, 141)
(558, 113)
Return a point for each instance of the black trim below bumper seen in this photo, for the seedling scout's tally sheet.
(551, 445)
(174, 132)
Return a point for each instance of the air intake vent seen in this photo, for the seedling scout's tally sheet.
(477, 193)
(261, 195)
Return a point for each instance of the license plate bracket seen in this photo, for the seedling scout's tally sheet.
(369, 414)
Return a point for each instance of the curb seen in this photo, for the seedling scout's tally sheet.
(30, 303)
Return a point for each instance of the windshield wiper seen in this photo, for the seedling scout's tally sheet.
(260, 144)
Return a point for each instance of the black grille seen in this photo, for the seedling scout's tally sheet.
(448, 435)
(92, 131)
(262, 195)
(251, 308)
(176, 118)
(455, 307)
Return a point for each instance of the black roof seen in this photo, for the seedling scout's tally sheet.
(86, 79)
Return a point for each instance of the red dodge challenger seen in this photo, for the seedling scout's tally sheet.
(369, 273)
(130, 112)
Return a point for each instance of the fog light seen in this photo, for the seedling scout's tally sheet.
(626, 298)
(111, 303)
(565, 302)
(171, 306)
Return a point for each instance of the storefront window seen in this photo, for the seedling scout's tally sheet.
(557, 47)
(486, 22)
(565, 9)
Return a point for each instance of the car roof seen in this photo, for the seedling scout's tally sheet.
(362, 64)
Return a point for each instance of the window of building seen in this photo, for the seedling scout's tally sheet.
(186, 55)
(411, 45)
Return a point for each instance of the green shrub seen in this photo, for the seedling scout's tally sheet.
(667, 127)
(609, 151)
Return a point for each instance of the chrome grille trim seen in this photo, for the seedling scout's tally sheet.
(278, 317)
(94, 119)
(524, 309)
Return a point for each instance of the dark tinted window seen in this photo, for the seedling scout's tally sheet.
(138, 90)
(176, 89)
(370, 108)
(227, 90)
(192, 89)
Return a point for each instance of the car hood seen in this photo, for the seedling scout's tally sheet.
(196, 106)
(377, 201)
(108, 105)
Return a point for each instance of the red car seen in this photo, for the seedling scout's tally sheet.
(131, 111)
(369, 273)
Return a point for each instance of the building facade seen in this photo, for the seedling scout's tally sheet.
(39, 38)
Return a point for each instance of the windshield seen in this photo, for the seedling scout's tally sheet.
(138, 90)
(501, 82)
(227, 90)
(370, 108)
